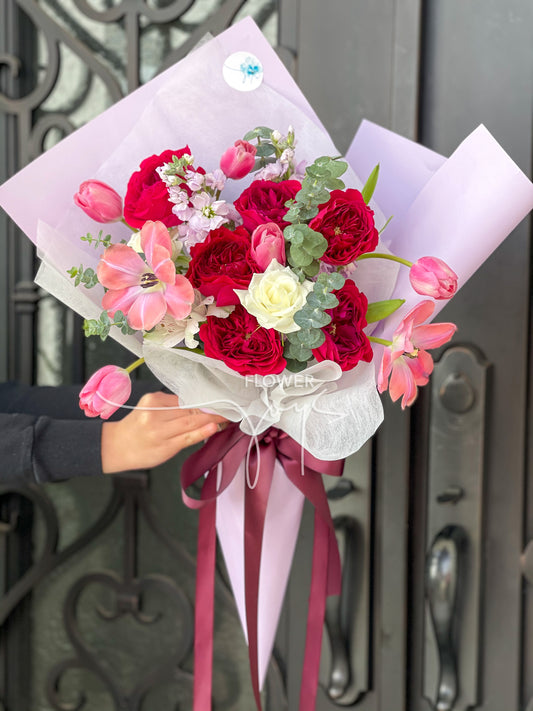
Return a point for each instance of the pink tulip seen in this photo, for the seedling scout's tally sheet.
(99, 201)
(105, 391)
(144, 290)
(431, 276)
(268, 243)
(406, 361)
(238, 160)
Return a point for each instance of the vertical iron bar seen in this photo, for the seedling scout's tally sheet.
(17, 512)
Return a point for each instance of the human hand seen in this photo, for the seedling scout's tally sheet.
(148, 437)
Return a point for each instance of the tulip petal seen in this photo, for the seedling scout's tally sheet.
(180, 297)
(152, 234)
(147, 310)
(421, 312)
(119, 267)
(421, 367)
(120, 300)
(162, 264)
(402, 383)
(384, 370)
(433, 335)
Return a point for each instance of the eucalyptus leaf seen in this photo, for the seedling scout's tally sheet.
(296, 366)
(334, 184)
(311, 270)
(265, 149)
(296, 351)
(322, 300)
(258, 132)
(311, 318)
(298, 256)
(330, 281)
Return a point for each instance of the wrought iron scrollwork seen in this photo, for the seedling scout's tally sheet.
(36, 114)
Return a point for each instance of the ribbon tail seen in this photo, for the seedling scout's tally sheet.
(316, 614)
(255, 506)
(204, 606)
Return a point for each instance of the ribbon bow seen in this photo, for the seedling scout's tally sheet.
(218, 461)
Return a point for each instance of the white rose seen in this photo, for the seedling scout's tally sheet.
(135, 242)
(274, 296)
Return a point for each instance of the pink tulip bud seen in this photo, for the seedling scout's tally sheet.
(431, 276)
(268, 243)
(238, 160)
(105, 391)
(99, 201)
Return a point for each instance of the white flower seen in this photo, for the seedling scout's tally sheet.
(195, 181)
(135, 242)
(274, 296)
(170, 333)
(215, 180)
(271, 171)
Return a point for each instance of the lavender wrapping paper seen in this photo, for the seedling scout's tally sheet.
(489, 194)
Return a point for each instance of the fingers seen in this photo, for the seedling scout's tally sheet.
(187, 439)
(168, 404)
(170, 429)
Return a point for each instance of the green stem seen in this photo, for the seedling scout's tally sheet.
(128, 226)
(383, 342)
(380, 255)
(134, 365)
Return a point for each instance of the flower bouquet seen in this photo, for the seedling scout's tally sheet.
(257, 276)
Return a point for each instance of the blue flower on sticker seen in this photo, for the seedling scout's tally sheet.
(251, 67)
(243, 71)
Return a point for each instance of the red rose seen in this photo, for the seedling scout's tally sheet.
(346, 342)
(347, 223)
(264, 201)
(221, 263)
(147, 195)
(242, 344)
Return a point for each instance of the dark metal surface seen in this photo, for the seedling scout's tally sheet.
(455, 502)
(444, 568)
(33, 115)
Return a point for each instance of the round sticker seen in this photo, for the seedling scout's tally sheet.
(243, 71)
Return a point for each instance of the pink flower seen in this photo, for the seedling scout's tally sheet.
(431, 276)
(406, 361)
(105, 391)
(268, 243)
(238, 160)
(145, 290)
(99, 201)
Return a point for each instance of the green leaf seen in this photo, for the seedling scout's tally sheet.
(258, 132)
(296, 366)
(309, 318)
(298, 256)
(265, 149)
(370, 185)
(334, 184)
(338, 167)
(296, 351)
(329, 281)
(385, 225)
(322, 300)
(311, 270)
(381, 309)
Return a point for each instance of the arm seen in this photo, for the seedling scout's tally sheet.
(37, 448)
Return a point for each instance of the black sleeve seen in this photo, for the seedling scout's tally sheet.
(46, 437)
(41, 449)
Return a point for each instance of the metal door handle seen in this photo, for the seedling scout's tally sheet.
(442, 578)
(338, 610)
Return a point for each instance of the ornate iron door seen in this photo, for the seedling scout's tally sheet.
(87, 609)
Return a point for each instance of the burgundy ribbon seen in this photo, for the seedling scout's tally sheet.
(230, 448)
